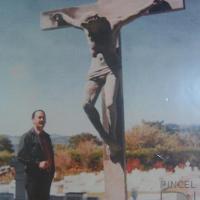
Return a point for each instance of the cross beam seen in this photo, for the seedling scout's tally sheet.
(109, 9)
(117, 13)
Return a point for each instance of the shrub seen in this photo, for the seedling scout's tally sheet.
(87, 157)
(76, 158)
(159, 164)
(95, 160)
(74, 141)
(166, 158)
(133, 164)
(5, 157)
(5, 144)
(89, 152)
(148, 136)
(145, 155)
(62, 160)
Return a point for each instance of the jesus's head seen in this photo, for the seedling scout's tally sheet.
(95, 23)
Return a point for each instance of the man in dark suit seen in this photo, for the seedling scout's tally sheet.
(36, 153)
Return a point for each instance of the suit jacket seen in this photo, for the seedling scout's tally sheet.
(30, 153)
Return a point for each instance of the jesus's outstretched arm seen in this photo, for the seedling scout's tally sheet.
(133, 9)
(63, 18)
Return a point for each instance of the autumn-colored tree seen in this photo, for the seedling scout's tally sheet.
(75, 140)
(156, 145)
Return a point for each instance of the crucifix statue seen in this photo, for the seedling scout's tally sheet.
(101, 23)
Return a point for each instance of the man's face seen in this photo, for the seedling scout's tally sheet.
(39, 120)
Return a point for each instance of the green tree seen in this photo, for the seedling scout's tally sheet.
(5, 144)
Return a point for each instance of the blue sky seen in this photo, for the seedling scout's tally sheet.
(47, 69)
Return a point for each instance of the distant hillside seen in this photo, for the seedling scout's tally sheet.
(56, 139)
(185, 129)
(170, 128)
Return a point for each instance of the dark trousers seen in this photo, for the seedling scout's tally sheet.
(38, 186)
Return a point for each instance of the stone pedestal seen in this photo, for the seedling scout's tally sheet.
(20, 180)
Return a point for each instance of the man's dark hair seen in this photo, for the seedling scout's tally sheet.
(39, 110)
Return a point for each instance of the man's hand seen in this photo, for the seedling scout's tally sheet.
(43, 164)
